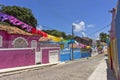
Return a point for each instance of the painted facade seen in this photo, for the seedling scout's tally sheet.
(48, 53)
(14, 44)
(66, 55)
(22, 36)
(10, 57)
(16, 40)
(113, 46)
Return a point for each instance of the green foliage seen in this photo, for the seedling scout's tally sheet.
(103, 37)
(58, 34)
(22, 13)
(53, 32)
(69, 37)
(5, 23)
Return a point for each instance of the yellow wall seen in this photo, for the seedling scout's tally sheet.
(109, 54)
(114, 56)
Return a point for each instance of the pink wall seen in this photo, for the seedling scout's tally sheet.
(45, 54)
(5, 37)
(15, 58)
(9, 38)
(28, 39)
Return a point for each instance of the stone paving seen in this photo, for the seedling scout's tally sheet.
(73, 70)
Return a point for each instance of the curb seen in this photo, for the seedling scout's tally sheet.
(16, 70)
(97, 74)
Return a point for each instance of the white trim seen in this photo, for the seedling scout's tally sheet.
(38, 57)
(76, 51)
(1, 41)
(53, 51)
(65, 52)
(49, 47)
(35, 43)
(41, 48)
(19, 38)
(41, 55)
(56, 52)
(15, 48)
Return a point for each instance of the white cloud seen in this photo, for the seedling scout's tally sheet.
(90, 26)
(39, 27)
(83, 34)
(97, 36)
(79, 27)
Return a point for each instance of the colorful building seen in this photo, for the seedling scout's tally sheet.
(13, 37)
(17, 47)
(20, 44)
(114, 44)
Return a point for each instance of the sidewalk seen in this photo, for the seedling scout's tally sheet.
(102, 72)
(10, 71)
(94, 54)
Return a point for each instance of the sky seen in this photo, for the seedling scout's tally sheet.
(88, 17)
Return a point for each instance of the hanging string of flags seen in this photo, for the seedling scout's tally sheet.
(16, 22)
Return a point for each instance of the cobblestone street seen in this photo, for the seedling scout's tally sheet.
(73, 70)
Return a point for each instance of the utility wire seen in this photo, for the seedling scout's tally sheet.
(87, 35)
(99, 30)
(47, 27)
(53, 28)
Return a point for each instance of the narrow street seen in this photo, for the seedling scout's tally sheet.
(73, 70)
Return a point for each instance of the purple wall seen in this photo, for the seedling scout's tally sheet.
(16, 58)
(45, 54)
(9, 38)
(5, 37)
(28, 39)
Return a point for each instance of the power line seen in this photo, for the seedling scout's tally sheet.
(71, 33)
(99, 29)
(53, 28)
(48, 27)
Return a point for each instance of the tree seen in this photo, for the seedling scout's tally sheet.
(21, 13)
(54, 32)
(64, 35)
(103, 37)
(58, 34)
(69, 36)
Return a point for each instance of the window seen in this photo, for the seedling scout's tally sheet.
(33, 43)
(0, 41)
(20, 43)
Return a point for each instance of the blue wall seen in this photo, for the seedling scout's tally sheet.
(85, 54)
(77, 54)
(66, 55)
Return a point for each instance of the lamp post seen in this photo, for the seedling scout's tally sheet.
(72, 42)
